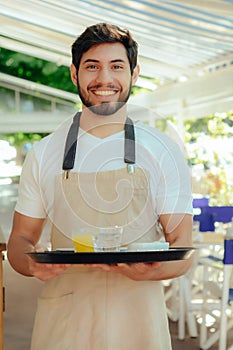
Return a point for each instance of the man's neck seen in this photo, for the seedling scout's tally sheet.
(103, 126)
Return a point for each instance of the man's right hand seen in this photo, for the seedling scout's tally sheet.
(45, 272)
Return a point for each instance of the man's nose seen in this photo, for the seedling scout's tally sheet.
(104, 76)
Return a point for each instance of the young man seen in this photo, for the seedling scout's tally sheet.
(99, 170)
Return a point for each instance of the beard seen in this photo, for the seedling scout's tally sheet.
(105, 108)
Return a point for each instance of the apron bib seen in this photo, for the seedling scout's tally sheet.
(88, 309)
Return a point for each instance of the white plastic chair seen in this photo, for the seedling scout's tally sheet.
(187, 290)
(190, 296)
(218, 295)
(171, 290)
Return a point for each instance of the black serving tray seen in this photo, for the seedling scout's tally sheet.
(70, 257)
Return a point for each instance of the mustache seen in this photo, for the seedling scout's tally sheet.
(97, 86)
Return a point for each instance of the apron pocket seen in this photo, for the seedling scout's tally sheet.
(52, 323)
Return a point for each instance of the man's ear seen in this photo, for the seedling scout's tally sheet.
(73, 74)
(135, 74)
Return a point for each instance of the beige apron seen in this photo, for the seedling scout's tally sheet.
(89, 309)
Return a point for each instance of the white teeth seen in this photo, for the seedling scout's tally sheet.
(104, 93)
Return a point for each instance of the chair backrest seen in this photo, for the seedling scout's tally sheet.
(228, 252)
(210, 215)
(200, 202)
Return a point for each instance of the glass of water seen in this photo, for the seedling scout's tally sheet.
(107, 239)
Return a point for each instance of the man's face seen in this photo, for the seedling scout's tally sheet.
(104, 79)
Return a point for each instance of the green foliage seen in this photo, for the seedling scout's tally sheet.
(136, 89)
(209, 142)
(36, 70)
(215, 125)
(161, 124)
(19, 139)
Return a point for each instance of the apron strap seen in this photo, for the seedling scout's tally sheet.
(72, 137)
(71, 144)
(129, 157)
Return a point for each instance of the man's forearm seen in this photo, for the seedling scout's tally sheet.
(16, 248)
(171, 269)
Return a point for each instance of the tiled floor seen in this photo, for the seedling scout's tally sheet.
(186, 344)
(22, 292)
(193, 343)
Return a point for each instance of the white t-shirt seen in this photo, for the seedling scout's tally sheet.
(169, 174)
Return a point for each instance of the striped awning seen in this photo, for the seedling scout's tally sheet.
(178, 40)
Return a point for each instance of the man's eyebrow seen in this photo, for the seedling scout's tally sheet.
(118, 60)
(112, 61)
(90, 60)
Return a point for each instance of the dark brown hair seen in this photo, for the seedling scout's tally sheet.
(104, 33)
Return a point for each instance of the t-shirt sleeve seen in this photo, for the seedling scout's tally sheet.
(174, 194)
(30, 199)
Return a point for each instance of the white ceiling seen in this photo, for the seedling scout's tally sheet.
(180, 41)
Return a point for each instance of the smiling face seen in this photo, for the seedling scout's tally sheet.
(104, 79)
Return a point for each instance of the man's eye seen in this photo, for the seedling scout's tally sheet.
(116, 66)
(92, 66)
